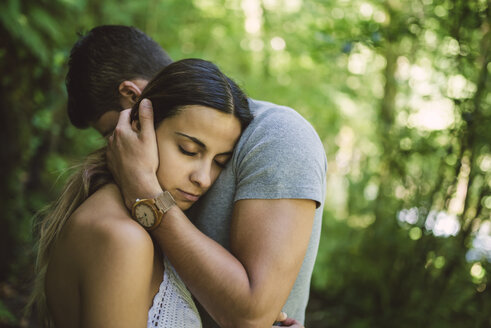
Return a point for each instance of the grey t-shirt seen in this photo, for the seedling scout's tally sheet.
(279, 155)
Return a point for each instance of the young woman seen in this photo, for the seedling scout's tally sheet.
(96, 268)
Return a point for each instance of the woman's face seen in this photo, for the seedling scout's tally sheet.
(194, 146)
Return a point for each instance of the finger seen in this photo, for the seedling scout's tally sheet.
(135, 126)
(122, 127)
(109, 150)
(146, 119)
(290, 322)
(281, 316)
(124, 118)
(109, 159)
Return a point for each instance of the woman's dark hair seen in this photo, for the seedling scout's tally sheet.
(99, 61)
(194, 82)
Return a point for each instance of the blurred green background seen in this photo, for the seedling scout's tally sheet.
(398, 91)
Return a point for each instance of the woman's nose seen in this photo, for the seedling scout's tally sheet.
(202, 176)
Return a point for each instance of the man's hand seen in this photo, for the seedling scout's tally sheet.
(132, 155)
(288, 322)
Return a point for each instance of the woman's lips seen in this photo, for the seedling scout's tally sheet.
(188, 196)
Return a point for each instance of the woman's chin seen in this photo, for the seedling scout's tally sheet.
(184, 205)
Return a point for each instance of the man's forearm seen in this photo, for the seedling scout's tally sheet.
(215, 277)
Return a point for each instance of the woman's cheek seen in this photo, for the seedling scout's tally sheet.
(171, 166)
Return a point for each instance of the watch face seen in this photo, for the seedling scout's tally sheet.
(145, 215)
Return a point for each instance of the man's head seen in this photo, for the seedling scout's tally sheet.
(107, 69)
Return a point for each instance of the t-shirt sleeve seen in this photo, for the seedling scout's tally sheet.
(281, 156)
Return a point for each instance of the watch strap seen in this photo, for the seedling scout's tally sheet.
(164, 201)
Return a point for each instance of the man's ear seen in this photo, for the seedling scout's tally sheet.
(129, 93)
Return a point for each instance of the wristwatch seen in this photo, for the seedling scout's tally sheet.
(149, 212)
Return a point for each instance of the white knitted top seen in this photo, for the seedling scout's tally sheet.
(173, 306)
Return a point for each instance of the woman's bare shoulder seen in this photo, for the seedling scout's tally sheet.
(101, 229)
(102, 207)
(103, 210)
(107, 256)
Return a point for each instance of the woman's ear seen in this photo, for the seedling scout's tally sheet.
(129, 92)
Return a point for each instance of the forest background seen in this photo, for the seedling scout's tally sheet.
(398, 91)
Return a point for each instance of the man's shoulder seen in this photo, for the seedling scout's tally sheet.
(265, 112)
(278, 147)
(272, 121)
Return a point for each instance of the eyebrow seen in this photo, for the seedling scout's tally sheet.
(200, 143)
(195, 140)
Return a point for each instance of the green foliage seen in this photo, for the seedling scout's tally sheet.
(398, 91)
(5, 316)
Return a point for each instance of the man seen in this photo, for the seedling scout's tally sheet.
(107, 70)
(255, 234)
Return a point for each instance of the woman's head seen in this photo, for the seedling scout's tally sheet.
(199, 114)
(194, 82)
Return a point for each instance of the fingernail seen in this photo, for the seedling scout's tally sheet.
(145, 102)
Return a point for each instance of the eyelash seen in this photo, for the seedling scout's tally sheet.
(220, 165)
(185, 152)
(188, 153)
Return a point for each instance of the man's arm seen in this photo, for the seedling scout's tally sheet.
(250, 285)
(244, 287)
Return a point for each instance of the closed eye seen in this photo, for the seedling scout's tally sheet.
(221, 165)
(185, 152)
